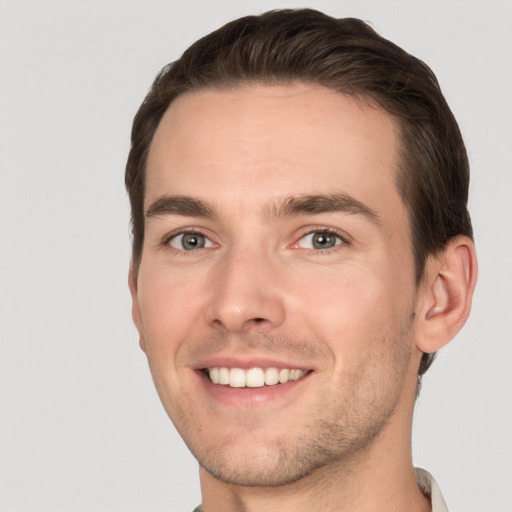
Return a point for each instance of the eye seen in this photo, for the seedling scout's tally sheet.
(190, 241)
(320, 240)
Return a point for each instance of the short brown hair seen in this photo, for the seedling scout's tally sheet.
(345, 55)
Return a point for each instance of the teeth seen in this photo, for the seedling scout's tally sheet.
(214, 375)
(223, 376)
(253, 378)
(271, 376)
(236, 378)
(295, 374)
(284, 375)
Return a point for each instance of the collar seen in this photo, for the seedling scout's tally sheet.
(429, 488)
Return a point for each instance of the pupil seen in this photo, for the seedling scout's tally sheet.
(323, 241)
(192, 241)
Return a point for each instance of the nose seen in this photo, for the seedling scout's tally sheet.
(246, 294)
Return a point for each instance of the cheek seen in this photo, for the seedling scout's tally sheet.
(170, 306)
(353, 310)
(341, 294)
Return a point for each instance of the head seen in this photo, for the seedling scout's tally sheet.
(298, 189)
(349, 57)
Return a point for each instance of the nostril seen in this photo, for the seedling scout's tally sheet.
(258, 320)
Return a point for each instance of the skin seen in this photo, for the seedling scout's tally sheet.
(258, 291)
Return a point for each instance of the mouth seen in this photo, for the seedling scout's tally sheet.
(253, 377)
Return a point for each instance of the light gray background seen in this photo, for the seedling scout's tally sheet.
(81, 426)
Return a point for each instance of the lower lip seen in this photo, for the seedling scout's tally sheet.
(249, 396)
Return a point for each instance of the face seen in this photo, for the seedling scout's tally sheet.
(275, 296)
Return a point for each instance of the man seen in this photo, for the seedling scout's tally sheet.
(301, 249)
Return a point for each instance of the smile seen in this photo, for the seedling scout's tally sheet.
(253, 377)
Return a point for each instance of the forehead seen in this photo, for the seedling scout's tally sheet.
(255, 141)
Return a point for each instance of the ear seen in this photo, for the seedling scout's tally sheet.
(136, 314)
(447, 291)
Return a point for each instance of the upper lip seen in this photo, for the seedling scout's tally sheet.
(246, 362)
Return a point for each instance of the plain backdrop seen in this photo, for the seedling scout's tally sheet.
(81, 428)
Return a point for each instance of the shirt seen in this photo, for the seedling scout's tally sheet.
(428, 487)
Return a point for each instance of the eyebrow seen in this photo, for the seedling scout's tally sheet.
(180, 205)
(318, 204)
(293, 206)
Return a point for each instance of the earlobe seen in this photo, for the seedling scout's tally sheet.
(447, 289)
(136, 315)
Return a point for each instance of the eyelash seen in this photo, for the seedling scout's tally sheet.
(166, 242)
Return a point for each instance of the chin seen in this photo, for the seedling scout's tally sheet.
(285, 461)
(258, 470)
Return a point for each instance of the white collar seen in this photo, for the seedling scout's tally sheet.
(430, 488)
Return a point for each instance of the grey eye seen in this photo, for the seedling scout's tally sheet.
(320, 240)
(190, 241)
